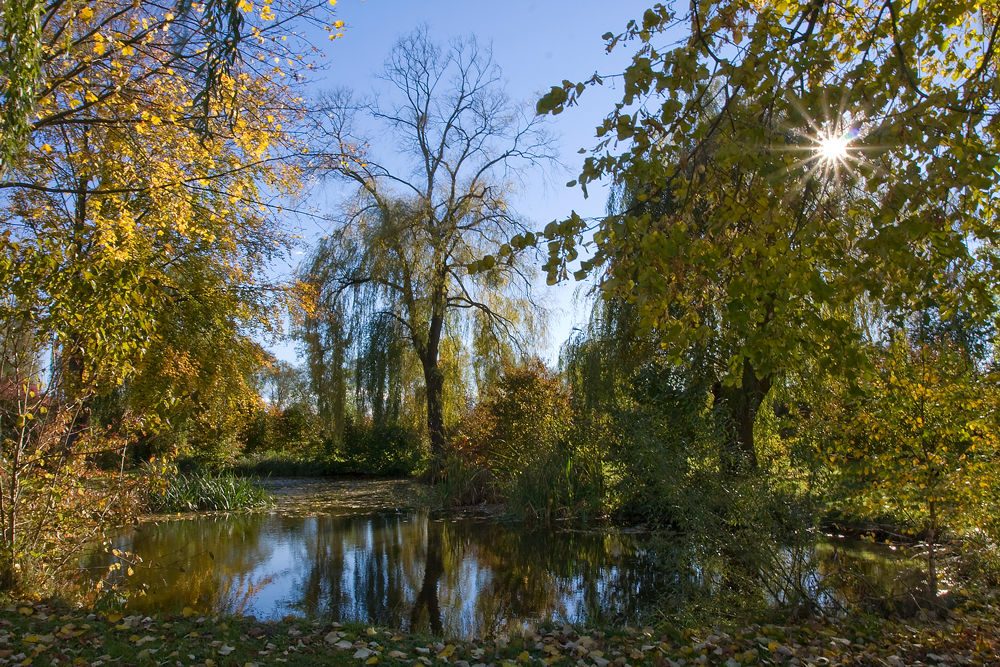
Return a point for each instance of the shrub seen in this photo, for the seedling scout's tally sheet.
(385, 449)
(515, 447)
(57, 499)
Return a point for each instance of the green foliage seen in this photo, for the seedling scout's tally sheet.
(916, 441)
(727, 542)
(515, 447)
(920, 431)
(54, 497)
(789, 159)
(789, 165)
(55, 501)
(384, 449)
(291, 443)
(135, 240)
(203, 491)
(20, 69)
(265, 463)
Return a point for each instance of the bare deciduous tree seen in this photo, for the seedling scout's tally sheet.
(402, 245)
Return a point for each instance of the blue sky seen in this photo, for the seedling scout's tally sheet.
(537, 45)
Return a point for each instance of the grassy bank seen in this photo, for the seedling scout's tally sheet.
(46, 634)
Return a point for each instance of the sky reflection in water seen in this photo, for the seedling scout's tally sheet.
(371, 552)
(326, 554)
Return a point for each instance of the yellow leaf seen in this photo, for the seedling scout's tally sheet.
(86, 13)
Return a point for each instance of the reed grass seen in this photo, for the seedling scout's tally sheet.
(195, 492)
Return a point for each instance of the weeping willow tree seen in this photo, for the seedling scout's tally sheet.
(622, 346)
(396, 295)
(408, 338)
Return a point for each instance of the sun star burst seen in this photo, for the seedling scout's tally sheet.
(833, 148)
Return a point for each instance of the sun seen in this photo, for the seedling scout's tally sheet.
(833, 148)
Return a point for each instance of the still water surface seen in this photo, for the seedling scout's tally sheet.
(373, 552)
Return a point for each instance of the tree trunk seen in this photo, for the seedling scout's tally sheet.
(739, 407)
(434, 380)
(75, 365)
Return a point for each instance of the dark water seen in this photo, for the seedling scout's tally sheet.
(373, 552)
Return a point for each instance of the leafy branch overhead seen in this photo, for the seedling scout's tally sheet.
(786, 159)
(143, 159)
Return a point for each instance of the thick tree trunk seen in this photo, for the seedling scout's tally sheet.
(738, 408)
(434, 381)
(434, 378)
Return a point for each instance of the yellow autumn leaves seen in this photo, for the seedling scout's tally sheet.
(921, 432)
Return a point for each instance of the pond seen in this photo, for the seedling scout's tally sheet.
(374, 552)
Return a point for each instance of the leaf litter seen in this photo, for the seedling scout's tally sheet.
(49, 635)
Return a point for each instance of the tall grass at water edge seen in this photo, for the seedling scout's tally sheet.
(192, 492)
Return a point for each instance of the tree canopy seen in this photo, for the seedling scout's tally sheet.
(788, 158)
(145, 187)
(144, 146)
(396, 262)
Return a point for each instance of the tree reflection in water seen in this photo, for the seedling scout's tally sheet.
(403, 569)
(410, 570)
(427, 600)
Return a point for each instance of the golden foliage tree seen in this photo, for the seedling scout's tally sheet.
(918, 442)
(138, 220)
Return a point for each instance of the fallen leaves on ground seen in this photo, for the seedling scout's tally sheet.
(52, 636)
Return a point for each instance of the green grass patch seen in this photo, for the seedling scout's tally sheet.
(192, 492)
